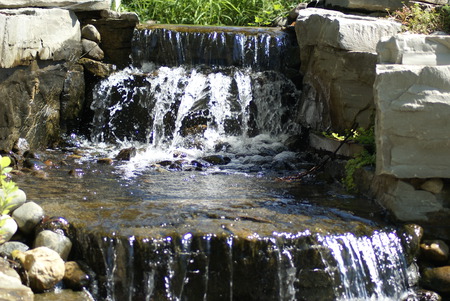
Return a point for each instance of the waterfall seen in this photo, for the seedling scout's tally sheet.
(173, 45)
(186, 107)
(302, 266)
(219, 235)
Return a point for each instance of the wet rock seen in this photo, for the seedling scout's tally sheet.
(28, 216)
(44, 267)
(7, 229)
(106, 161)
(74, 277)
(18, 198)
(11, 287)
(178, 154)
(55, 241)
(422, 295)
(433, 185)
(55, 223)
(21, 146)
(77, 173)
(175, 166)
(126, 154)
(92, 50)
(411, 236)
(296, 143)
(7, 248)
(33, 164)
(91, 33)
(222, 147)
(64, 294)
(165, 163)
(435, 251)
(39, 174)
(437, 279)
(217, 159)
(97, 68)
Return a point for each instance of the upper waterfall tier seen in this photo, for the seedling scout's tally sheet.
(174, 45)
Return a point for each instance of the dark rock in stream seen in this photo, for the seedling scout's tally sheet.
(217, 159)
(126, 154)
(33, 164)
(437, 279)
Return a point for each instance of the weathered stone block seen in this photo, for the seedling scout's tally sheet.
(415, 49)
(77, 5)
(367, 5)
(320, 27)
(408, 204)
(338, 62)
(33, 33)
(34, 101)
(413, 128)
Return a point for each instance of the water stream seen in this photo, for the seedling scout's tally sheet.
(198, 212)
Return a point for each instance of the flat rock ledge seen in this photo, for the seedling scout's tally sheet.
(76, 5)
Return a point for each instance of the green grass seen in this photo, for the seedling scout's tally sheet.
(424, 20)
(211, 12)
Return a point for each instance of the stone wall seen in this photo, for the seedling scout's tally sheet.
(412, 97)
(356, 67)
(42, 84)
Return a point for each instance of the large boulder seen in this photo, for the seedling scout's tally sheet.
(78, 5)
(43, 266)
(32, 33)
(36, 102)
(338, 58)
(413, 132)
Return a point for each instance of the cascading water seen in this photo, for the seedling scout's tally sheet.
(216, 232)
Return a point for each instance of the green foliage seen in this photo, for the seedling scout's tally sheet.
(211, 12)
(360, 135)
(8, 187)
(365, 158)
(365, 137)
(416, 19)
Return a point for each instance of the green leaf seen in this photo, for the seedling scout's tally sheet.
(5, 162)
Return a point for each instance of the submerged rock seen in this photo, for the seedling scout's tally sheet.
(74, 277)
(44, 268)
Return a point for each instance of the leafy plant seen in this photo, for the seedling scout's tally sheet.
(211, 12)
(363, 136)
(365, 158)
(416, 19)
(8, 187)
